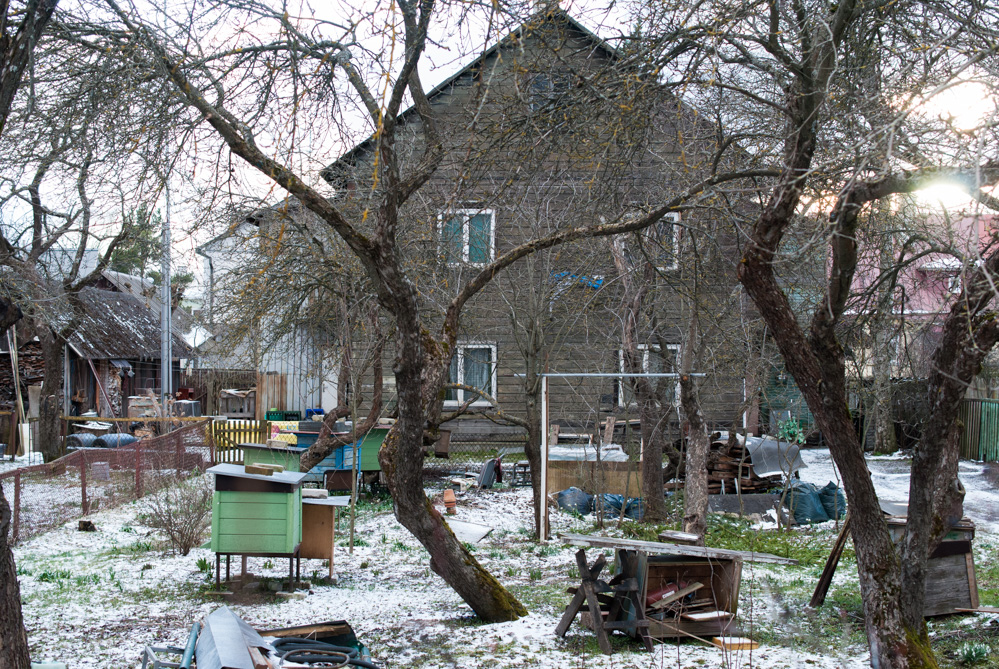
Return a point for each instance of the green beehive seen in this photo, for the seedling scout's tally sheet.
(286, 455)
(256, 514)
(370, 445)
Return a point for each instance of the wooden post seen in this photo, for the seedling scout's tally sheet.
(84, 503)
(17, 506)
(544, 459)
(333, 538)
(138, 469)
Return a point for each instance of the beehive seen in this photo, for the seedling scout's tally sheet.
(252, 513)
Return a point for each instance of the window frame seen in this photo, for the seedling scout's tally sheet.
(466, 214)
(645, 349)
(673, 218)
(459, 355)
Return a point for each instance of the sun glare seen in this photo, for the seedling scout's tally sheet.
(964, 107)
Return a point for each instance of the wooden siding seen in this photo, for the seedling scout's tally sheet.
(544, 170)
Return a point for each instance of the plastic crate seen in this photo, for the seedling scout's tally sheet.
(292, 415)
(274, 414)
(309, 413)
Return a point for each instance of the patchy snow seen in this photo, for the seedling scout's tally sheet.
(95, 599)
(890, 474)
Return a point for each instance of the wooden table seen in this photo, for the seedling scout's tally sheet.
(319, 517)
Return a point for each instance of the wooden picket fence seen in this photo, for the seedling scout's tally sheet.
(229, 434)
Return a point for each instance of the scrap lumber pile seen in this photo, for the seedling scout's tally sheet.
(728, 462)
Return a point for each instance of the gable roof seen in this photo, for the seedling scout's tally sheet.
(117, 325)
(548, 15)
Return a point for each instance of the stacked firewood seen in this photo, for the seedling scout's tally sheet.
(31, 370)
(730, 461)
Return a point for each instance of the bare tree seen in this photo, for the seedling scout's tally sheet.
(22, 27)
(831, 80)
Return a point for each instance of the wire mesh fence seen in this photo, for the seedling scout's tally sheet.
(47, 495)
(469, 454)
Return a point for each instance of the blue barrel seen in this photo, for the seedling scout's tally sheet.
(80, 440)
(114, 440)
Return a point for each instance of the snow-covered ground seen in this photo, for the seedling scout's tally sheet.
(95, 599)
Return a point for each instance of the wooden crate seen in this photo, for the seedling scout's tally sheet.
(951, 583)
(255, 513)
(616, 478)
(721, 578)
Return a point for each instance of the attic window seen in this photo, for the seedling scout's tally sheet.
(548, 90)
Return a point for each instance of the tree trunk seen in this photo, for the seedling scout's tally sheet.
(49, 442)
(532, 448)
(13, 639)
(695, 488)
(419, 379)
(817, 363)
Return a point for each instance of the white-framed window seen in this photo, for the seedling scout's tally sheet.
(654, 361)
(474, 365)
(663, 239)
(468, 236)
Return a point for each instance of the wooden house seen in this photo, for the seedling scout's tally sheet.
(535, 142)
(113, 353)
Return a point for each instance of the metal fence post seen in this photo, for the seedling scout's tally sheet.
(85, 505)
(17, 507)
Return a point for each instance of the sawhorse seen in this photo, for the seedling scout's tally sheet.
(622, 609)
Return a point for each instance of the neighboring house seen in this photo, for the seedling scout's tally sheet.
(492, 193)
(292, 373)
(113, 353)
(921, 295)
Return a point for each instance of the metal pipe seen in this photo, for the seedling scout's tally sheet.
(192, 642)
(166, 354)
(615, 375)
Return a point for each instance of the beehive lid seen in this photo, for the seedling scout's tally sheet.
(234, 477)
(291, 448)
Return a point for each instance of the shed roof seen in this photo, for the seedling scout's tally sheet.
(116, 325)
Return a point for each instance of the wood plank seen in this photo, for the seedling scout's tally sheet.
(673, 549)
(250, 510)
(679, 594)
(825, 580)
(674, 536)
(254, 526)
(701, 616)
(734, 643)
(972, 579)
(980, 609)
